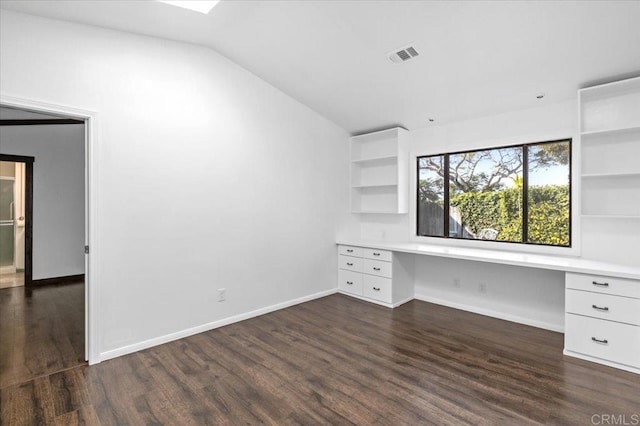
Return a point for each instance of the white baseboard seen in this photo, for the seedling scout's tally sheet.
(402, 302)
(377, 302)
(209, 326)
(602, 361)
(491, 313)
(366, 299)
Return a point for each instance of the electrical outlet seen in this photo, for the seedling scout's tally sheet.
(222, 294)
(456, 282)
(482, 287)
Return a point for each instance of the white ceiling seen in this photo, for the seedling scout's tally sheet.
(476, 58)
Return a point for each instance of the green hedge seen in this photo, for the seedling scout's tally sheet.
(502, 211)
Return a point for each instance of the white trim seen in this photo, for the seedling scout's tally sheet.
(377, 302)
(210, 326)
(491, 313)
(379, 132)
(92, 278)
(366, 299)
(601, 361)
(611, 85)
(402, 302)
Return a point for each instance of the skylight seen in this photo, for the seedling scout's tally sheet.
(202, 6)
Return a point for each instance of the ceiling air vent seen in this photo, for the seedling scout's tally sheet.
(403, 54)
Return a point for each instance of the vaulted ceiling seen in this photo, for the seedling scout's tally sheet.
(475, 58)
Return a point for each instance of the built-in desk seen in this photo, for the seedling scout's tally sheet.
(602, 303)
(557, 263)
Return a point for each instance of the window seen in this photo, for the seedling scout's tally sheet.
(517, 194)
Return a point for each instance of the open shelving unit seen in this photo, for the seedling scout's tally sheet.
(379, 172)
(610, 171)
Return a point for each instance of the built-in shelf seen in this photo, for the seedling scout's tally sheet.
(373, 212)
(381, 185)
(384, 159)
(611, 132)
(610, 216)
(377, 159)
(610, 180)
(609, 175)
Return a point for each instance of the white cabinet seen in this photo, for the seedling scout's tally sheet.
(377, 288)
(602, 320)
(378, 276)
(610, 171)
(379, 172)
(604, 340)
(350, 282)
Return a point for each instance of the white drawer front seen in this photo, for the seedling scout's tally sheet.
(377, 288)
(602, 284)
(350, 263)
(614, 308)
(350, 282)
(350, 251)
(377, 267)
(608, 340)
(376, 254)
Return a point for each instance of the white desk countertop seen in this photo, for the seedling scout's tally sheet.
(558, 263)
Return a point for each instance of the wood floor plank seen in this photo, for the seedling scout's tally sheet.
(83, 416)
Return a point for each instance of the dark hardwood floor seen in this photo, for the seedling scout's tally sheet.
(41, 331)
(337, 360)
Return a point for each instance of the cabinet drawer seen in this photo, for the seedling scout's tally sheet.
(350, 282)
(350, 251)
(603, 284)
(614, 308)
(377, 267)
(350, 263)
(377, 288)
(377, 254)
(608, 340)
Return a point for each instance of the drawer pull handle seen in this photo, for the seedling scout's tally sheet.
(350, 282)
(600, 284)
(603, 341)
(376, 254)
(599, 308)
(376, 288)
(349, 264)
(376, 269)
(349, 251)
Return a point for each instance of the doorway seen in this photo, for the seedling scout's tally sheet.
(42, 165)
(91, 159)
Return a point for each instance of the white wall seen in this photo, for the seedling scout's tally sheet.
(531, 296)
(208, 177)
(525, 295)
(58, 194)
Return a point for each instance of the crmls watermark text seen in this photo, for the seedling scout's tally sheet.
(616, 419)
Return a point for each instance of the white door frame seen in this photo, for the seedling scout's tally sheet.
(92, 352)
